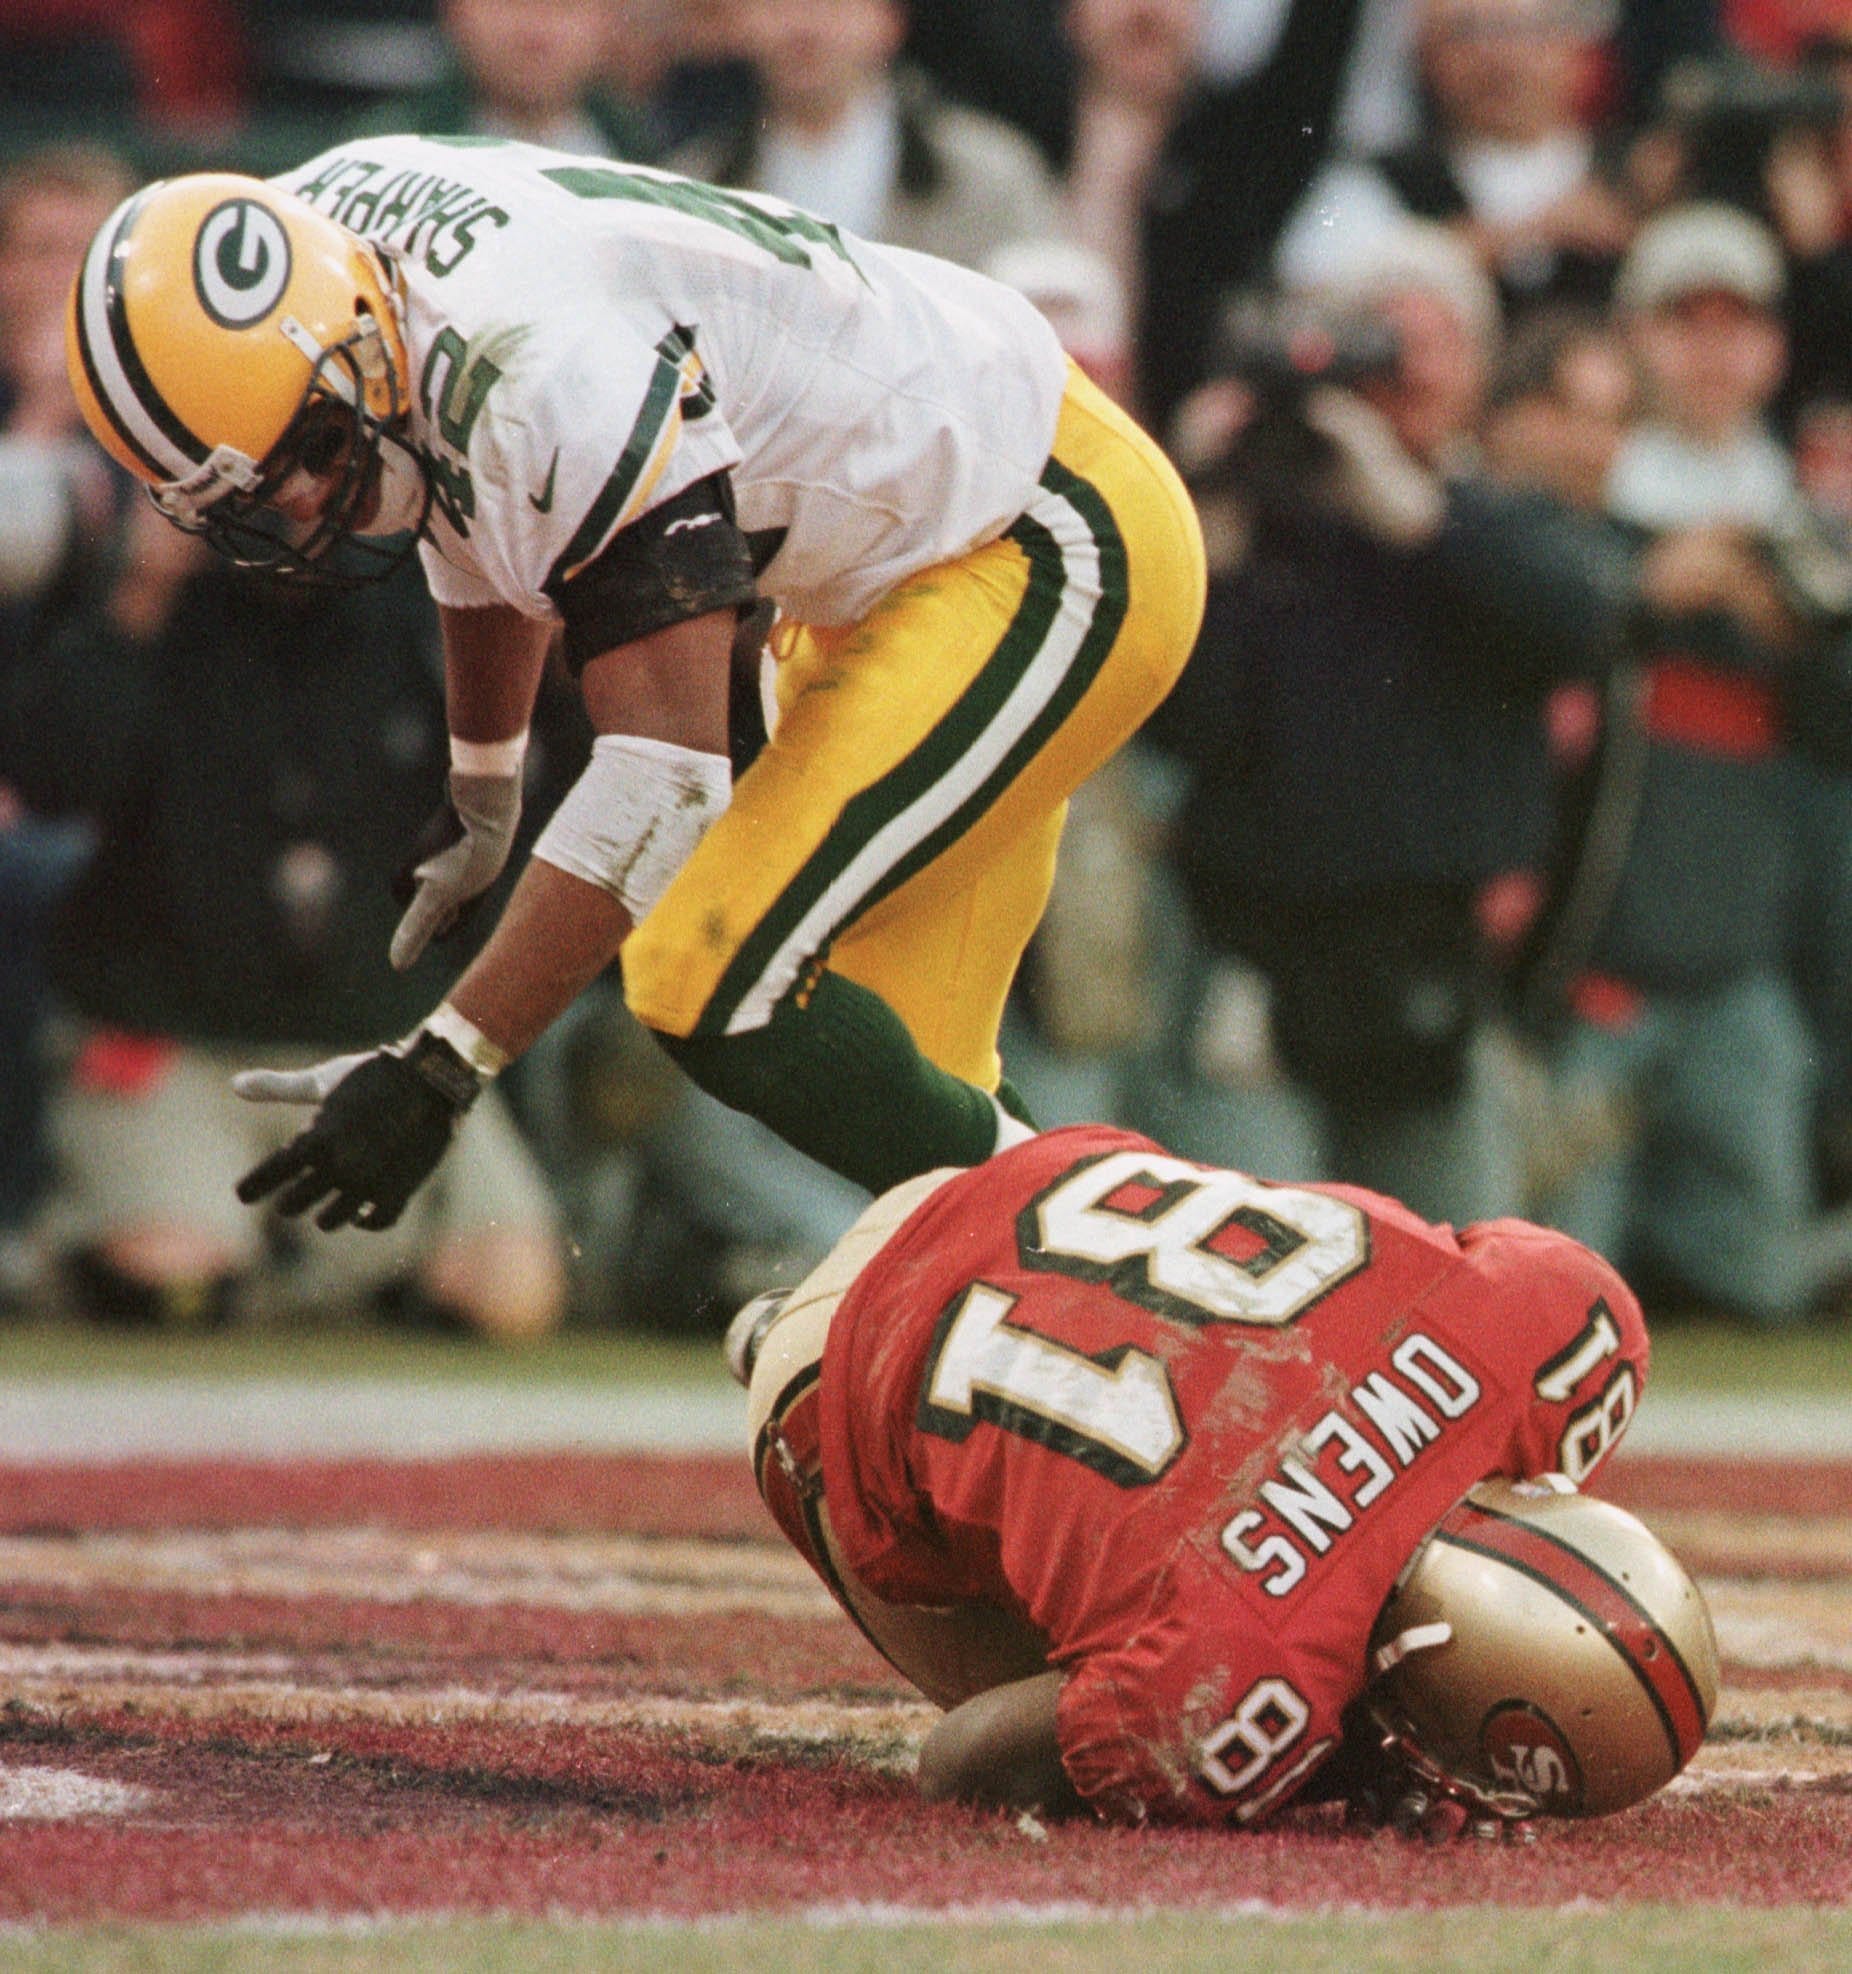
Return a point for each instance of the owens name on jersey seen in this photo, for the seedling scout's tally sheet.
(1190, 1427)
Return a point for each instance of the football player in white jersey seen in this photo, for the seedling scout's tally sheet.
(627, 410)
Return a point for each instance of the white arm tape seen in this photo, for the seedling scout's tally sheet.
(482, 1055)
(633, 818)
(489, 757)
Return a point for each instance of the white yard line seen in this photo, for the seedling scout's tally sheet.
(55, 1419)
(616, 1575)
(56, 1794)
(1779, 1426)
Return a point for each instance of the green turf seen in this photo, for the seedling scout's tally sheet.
(73, 1350)
(1687, 1356)
(1624, 1940)
(1726, 1357)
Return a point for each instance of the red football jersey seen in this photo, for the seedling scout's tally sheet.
(1191, 1426)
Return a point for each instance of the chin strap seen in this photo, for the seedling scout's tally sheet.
(1417, 1638)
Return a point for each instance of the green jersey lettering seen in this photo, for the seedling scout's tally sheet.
(452, 390)
(787, 236)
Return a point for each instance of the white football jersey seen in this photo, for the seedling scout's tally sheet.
(587, 339)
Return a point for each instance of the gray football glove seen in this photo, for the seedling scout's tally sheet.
(458, 855)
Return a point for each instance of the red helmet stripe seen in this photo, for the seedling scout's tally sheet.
(1629, 1627)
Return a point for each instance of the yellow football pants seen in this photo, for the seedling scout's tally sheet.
(901, 824)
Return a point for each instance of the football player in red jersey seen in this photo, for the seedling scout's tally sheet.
(1189, 1495)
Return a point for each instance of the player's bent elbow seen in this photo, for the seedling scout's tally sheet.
(1000, 1747)
(939, 1775)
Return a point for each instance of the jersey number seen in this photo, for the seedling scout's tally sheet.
(781, 231)
(1191, 1245)
(1269, 1721)
(1591, 1431)
(1115, 1413)
(453, 389)
(1194, 1246)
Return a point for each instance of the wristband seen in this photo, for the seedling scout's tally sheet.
(482, 1055)
(436, 1063)
(488, 757)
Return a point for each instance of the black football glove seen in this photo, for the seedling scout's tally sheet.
(384, 1122)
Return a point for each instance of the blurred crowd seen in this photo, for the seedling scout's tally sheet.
(1495, 850)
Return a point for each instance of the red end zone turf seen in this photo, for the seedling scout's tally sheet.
(645, 1494)
(641, 1494)
(599, 1686)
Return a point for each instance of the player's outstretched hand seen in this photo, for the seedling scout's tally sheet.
(385, 1119)
(459, 854)
(1404, 1795)
(1420, 1811)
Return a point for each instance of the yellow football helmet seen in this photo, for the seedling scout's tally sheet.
(1544, 1654)
(222, 337)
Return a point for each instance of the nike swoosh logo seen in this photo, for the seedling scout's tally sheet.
(542, 502)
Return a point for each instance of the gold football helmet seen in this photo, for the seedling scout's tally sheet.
(1544, 1654)
(225, 340)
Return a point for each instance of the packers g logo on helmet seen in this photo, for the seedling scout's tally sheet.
(1544, 1653)
(240, 263)
(223, 336)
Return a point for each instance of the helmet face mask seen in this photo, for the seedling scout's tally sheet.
(350, 471)
(1543, 1654)
(241, 353)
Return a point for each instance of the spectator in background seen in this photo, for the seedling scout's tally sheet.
(1137, 69)
(1362, 727)
(1510, 158)
(538, 70)
(1183, 175)
(1233, 163)
(1683, 1010)
(154, 75)
(253, 760)
(1563, 396)
(51, 201)
(56, 492)
(843, 131)
(1808, 184)
(686, 60)
(1012, 62)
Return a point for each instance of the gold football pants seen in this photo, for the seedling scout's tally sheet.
(900, 826)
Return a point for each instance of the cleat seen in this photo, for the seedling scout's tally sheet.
(747, 1331)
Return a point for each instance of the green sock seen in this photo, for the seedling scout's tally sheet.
(839, 1077)
(1011, 1099)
